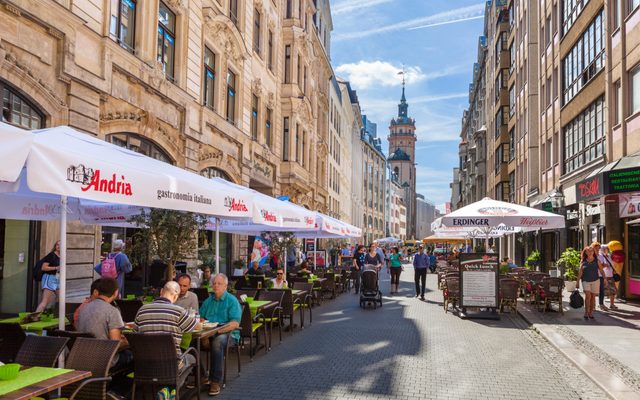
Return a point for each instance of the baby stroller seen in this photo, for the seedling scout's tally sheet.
(369, 291)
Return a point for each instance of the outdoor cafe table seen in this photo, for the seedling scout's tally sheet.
(35, 381)
(34, 327)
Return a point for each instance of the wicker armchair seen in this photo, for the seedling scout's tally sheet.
(289, 306)
(72, 335)
(275, 313)
(11, 338)
(128, 309)
(92, 355)
(40, 351)
(451, 292)
(157, 362)
(250, 328)
(550, 291)
(202, 293)
(306, 303)
(509, 291)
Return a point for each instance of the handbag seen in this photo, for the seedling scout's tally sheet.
(576, 300)
(616, 276)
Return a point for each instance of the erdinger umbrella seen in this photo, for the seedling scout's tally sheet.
(489, 214)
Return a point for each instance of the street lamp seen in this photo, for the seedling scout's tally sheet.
(557, 199)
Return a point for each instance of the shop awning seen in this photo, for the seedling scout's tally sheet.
(620, 176)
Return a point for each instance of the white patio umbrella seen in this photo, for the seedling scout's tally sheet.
(68, 164)
(488, 214)
(388, 240)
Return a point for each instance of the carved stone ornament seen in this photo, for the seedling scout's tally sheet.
(221, 30)
(212, 154)
(37, 82)
(271, 100)
(179, 6)
(262, 168)
(256, 86)
(123, 115)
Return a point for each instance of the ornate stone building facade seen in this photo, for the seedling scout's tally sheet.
(231, 88)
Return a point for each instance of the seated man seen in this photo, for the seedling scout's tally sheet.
(304, 269)
(186, 299)
(223, 308)
(205, 281)
(93, 294)
(279, 282)
(104, 321)
(255, 269)
(163, 316)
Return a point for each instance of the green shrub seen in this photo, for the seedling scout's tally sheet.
(570, 261)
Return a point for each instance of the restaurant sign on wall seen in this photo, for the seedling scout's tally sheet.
(608, 182)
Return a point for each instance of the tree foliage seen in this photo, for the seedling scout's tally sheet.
(167, 235)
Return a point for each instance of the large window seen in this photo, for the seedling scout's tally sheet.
(512, 187)
(502, 116)
(288, 9)
(139, 144)
(287, 64)
(231, 97)
(17, 110)
(267, 128)
(501, 45)
(254, 117)
(209, 77)
(123, 22)
(584, 139)
(585, 59)
(571, 9)
(233, 11)
(297, 144)
(635, 90)
(166, 40)
(512, 144)
(285, 139)
(512, 100)
(256, 32)
(211, 172)
(270, 50)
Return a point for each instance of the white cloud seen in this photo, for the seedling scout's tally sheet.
(446, 17)
(348, 6)
(366, 74)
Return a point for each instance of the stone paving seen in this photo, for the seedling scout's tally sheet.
(408, 349)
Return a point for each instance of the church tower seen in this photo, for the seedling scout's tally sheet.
(402, 150)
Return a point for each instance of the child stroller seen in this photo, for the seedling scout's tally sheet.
(369, 291)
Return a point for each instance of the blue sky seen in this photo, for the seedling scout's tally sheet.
(436, 40)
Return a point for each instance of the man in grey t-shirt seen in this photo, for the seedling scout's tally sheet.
(186, 299)
(103, 320)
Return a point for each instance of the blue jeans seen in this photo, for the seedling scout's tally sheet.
(218, 348)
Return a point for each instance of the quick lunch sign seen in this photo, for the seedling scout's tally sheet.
(609, 182)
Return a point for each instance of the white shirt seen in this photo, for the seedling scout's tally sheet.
(280, 285)
(608, 269)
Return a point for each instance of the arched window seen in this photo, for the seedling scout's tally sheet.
(396, 172)
(140, 145)
(211, 172)
(18, 111)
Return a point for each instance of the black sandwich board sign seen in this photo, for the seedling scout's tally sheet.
(479, 287)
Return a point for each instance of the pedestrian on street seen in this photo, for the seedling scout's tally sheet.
(596, 252)
(374, 258)
(609, 283)
(122, 265)
(358, 264)
(588, 274)
(395, 268)
(420, 265)
(433, 262)
(50, 285)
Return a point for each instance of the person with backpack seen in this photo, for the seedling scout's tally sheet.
(115, 265)
(46, 271)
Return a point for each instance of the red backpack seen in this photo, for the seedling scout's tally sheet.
(108, 267)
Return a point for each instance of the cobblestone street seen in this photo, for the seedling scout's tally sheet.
(409, 349)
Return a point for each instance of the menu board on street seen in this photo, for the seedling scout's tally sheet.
(479, 280)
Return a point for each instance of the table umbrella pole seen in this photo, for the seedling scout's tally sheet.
(315, 253)
(62, 297)
(217, 245)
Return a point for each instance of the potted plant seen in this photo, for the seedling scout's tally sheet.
(570, 262)
(533, 260)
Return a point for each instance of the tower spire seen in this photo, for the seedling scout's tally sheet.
(403, 99)
(403, 107)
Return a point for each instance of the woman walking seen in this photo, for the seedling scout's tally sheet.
(588, 274)
(358, 264)
(373, 258)
(395, 268)
(50, 285)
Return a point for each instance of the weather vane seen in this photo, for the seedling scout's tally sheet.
(403, 73)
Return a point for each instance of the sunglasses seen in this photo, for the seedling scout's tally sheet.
(280, 273)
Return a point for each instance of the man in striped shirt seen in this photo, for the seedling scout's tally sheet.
(163, 316)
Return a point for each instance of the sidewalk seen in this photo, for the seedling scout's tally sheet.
(606, 348)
